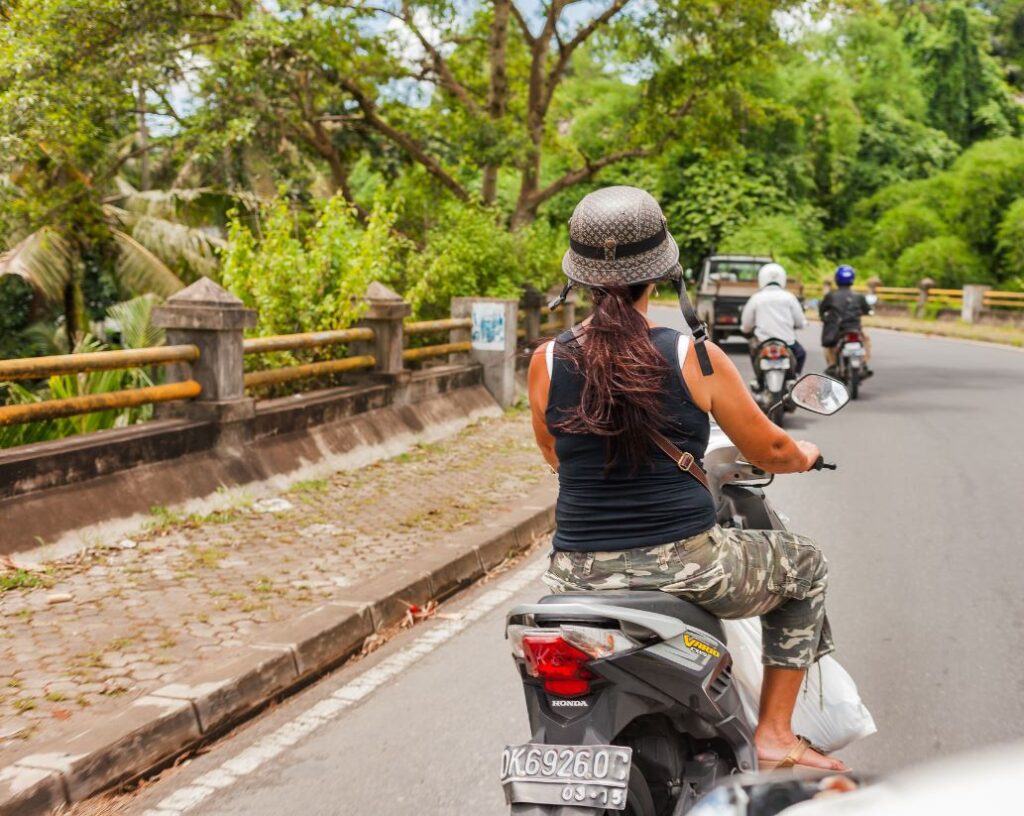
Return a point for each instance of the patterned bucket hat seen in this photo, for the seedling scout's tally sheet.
(618, 237)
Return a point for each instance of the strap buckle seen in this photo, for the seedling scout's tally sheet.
(685, 461)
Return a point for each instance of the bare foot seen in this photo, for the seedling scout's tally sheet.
(775, 747)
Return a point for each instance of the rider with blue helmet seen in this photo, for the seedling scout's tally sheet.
(841, 311)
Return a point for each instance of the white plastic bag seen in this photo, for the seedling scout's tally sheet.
(829, 711)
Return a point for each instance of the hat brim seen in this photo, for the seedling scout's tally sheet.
(655, 264)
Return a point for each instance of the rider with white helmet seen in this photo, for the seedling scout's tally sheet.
(775, 312)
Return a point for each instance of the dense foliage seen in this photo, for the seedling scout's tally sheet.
(297, 150)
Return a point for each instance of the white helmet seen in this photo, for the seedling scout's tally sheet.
(771, 273)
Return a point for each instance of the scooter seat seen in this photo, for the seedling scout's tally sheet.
(655, 601)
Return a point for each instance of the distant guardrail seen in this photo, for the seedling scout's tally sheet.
(973, 300)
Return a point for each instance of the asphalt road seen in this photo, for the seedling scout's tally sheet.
(926, 603)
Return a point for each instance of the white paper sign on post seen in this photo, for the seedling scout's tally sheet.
(489, 326)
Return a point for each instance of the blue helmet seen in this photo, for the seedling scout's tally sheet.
(845, 275)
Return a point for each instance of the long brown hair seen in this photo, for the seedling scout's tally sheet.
(623, 377)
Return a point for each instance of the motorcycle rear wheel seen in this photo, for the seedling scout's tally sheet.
(854, 382)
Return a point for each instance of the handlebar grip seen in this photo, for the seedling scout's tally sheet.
(821, 464)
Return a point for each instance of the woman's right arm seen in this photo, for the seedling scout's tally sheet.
(724, 394)
(539, 383)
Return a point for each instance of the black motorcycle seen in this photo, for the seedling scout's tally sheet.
(851, 366)
(629, 694)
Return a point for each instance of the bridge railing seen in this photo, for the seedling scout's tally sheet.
(205, 364)
(34, 368)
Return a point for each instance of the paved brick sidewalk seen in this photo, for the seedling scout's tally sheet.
(129, 616)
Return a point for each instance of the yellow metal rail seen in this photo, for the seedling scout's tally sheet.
(288, 342)
(442, 350)
(279, 375)
(90, 403)
(33, 368)
(428, 326)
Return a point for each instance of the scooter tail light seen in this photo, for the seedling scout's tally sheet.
(853, 337)
(562, 667)
(598, 642)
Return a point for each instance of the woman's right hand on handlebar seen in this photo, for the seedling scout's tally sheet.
(810, 451)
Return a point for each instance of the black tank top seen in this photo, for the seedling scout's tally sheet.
(624, 508)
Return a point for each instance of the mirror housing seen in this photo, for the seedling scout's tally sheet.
(819, 394)
(688, 275)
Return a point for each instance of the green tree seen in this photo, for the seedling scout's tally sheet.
(947, 260)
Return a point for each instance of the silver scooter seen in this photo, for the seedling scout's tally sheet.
(629, 694)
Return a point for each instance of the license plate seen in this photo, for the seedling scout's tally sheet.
(581, 775)
(851, 349)
(767, 365)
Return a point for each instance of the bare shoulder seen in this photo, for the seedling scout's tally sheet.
(702, 388)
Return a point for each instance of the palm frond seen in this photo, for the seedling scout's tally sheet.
(196, 248)
(160, 203)
(45, 338)
(177, 245)
(131, 318)
(141, 270)
(44, 259)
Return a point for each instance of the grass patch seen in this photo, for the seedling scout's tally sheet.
(310, 486)
(216, 517)
(20, 579)
(163, 517)
(55, 696)
(263, 585)
(25, 704)
(120, 644)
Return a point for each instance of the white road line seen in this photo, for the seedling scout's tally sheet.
(259, 753)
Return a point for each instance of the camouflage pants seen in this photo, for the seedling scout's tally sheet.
(774, 574)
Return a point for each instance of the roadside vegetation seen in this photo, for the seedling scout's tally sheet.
(296, 151)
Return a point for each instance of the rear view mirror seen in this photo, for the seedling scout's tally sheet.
(688, 275)
(820, 394)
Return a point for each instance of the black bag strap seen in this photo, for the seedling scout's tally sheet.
(697, 328)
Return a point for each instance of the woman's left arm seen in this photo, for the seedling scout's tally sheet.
(539, 383)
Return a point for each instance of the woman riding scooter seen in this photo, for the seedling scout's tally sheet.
(606, 397)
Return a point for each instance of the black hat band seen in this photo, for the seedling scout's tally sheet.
(611, 251)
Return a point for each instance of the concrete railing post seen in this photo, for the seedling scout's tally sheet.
(385, 313)
(532, 302)
(494, 342)
(973, 301)
(207, 316)
(924, 285)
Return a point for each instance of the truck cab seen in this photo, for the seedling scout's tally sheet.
(724, 283)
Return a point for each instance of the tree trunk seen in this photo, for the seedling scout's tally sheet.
(143, 139)
(498, 92)
(75, 318)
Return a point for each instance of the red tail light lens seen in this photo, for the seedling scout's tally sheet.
(772, 352)
(559, 664)
(853, 337)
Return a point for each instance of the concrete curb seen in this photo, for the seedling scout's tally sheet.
(155, 728)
